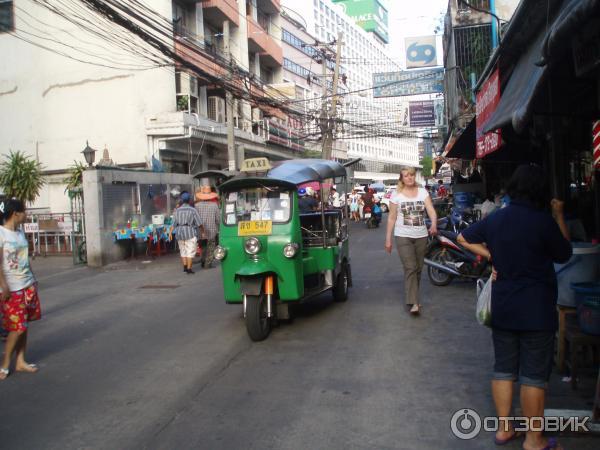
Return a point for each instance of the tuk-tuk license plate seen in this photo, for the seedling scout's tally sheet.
(255, 227)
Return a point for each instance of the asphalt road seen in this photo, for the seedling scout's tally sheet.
(144, 356)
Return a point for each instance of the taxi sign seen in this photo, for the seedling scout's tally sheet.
(255, 165)
(255, 227)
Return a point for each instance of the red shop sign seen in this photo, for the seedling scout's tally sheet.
(487, 101)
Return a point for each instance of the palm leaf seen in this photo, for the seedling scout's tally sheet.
(21, 176)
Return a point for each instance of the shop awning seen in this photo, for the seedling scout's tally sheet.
(463, 146)
(516, 102)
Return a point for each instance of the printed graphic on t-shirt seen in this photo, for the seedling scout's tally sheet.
(414, 213)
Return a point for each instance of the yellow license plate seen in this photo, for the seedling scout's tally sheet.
(255, 227)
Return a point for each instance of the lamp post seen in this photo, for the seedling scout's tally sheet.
(89, 153)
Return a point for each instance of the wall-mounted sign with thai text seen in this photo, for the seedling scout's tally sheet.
(422, 114)
(408, 82)
(487, 101)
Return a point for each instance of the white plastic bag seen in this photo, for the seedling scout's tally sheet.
(484, 302)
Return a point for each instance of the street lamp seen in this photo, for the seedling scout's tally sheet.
(89, 153)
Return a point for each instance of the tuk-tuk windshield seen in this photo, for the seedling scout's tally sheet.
(260, 203)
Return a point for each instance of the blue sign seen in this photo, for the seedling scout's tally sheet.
(421, 52)
(408, 82)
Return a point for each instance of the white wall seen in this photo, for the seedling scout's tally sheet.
(50, 104)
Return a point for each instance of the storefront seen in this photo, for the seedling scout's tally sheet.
(537, 101)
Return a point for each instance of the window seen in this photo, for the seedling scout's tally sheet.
(481, 4)
(6, 16)
(262, 203)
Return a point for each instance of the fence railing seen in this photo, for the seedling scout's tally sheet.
(54, 233)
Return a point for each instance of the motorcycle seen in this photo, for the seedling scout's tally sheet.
(372, 216)
(446, 259)
(461, 218)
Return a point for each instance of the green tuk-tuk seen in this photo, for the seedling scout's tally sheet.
(273, 254)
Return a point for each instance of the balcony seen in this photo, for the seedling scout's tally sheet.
(216, 11)
(260, 41)
(196, 52)
(269, 6)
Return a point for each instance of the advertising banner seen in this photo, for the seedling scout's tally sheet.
(487, 101)
(422, 114)
(440, 117)
(408, 82)
(370, 15)
(421, 52)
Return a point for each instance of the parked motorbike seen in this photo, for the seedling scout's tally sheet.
(372, 216)
(446, 259)
(461, 218)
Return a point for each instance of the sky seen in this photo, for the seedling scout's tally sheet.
(408, 18)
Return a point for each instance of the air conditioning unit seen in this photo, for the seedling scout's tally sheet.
(193, 86)
(183, 82)
(247, 126)
(257, 115)
(216, 109)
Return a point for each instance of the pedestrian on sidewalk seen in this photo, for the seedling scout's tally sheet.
(208, 209)
(354, 200)
(406, 221)
(523, 240)
(19, 300)
(188, 228)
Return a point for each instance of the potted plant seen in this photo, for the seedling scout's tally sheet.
(21, 176)
(183, 103)
(74, 179)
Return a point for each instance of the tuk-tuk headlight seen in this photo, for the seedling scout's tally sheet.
(290, 250)
(220, 253)
(252, 246)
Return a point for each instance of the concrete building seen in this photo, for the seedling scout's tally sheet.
(469, 38)
(151, 92)
(304, 63)
(363, 116)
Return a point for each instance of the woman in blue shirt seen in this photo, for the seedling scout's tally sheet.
(523, 241)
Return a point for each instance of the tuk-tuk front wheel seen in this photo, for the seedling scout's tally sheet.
(340, 288)
(258, 324)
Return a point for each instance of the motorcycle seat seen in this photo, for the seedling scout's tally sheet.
(449, 234)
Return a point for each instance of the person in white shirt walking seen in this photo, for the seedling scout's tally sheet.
(406, 221)
(19, 300)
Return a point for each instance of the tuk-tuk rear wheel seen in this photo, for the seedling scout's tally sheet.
(258, 324)
(340, 289)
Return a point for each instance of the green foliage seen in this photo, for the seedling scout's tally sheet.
(427, 164)
(21, 176)
(183, 103)
(74, 178)
(312, 154)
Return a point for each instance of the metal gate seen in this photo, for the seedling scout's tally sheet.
(77, 214)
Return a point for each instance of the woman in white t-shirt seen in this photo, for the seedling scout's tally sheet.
(19, 301)
(406, 220)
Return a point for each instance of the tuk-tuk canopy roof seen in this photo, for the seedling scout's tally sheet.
(300, 171)
(291, 173)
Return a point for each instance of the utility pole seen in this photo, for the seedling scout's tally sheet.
(231, 156)
(323, 121)
(229, 103)
(331, 123)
